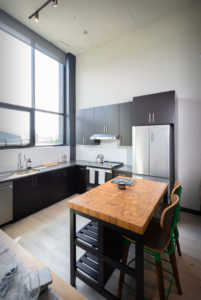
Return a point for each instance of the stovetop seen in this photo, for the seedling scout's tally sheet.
(105, 165)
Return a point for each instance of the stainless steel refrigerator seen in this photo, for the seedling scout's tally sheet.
(152, 153)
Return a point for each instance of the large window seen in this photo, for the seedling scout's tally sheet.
(31, 96)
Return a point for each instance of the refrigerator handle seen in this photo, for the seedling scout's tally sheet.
(149, 117)
(153, 117)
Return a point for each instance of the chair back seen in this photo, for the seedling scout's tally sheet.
(168, 217)
(176, 190)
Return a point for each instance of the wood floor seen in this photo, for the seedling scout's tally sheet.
(46, 236)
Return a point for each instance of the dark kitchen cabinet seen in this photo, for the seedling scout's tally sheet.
(81, 179)
(154, 109)
(106, 119)
(30, 194)
(63, 184)
(125, 123)
(84, 126)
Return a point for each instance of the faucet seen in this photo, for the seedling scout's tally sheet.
(20, 165)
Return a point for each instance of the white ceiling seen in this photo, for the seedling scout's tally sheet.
(103, 20)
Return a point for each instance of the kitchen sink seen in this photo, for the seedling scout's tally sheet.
(25, 172)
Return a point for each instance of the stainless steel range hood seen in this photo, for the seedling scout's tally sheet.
(104, 136)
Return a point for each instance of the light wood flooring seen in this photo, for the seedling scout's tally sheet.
(46, 236)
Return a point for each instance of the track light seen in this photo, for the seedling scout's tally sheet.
(55, 3)
(35, 14)
(36, 17)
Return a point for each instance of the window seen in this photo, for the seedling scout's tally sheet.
(49, 129)
(15, 71)
(31, 108)
(14, 127)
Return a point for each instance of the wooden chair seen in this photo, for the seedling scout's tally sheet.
(177, 190)
(158, 238)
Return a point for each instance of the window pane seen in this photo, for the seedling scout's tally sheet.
(14, 127)
(49, 129)
(15, 71)
(48, 83)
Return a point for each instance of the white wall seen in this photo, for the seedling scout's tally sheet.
(162, 56)
(38, 156)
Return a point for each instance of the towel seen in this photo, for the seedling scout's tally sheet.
(101, 176)
(92, 176)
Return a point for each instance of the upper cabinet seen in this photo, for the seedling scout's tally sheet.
(154, 109)
(125, 123)
(84, 126)
(106, 119)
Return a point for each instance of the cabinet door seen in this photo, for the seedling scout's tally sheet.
(112, 118)
(80, 127)
(84, 126)
(125, 123)
(99, 119)
(106, 119)
(41, 191)
(71, 181)
(88, 125)
(142, 108)
(23, 197)
(59, 185)
(163, 109)
(81, 179)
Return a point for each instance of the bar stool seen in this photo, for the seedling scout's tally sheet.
(177, 190)
(159, 238)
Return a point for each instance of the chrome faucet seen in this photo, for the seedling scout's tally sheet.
(20, 164)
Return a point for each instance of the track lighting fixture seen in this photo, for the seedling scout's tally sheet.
(35, 15)
(55, 3)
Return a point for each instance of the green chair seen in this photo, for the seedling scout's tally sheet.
(177, 190)
(159, 238)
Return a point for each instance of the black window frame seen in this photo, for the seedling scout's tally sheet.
(32, 109)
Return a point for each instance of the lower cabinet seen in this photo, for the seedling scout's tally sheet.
(81, 179)
(32, 193)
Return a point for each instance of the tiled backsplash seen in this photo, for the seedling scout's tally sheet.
(110, 149)
(38, 156)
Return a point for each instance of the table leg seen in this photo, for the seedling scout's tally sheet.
(72, 247)
(139, 249)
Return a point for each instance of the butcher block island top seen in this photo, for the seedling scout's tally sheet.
(132, 208)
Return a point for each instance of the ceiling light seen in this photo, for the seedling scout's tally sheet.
(55, 3)
(35, 13)
(36, 17)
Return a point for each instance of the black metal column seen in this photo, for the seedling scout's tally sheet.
(72, 247)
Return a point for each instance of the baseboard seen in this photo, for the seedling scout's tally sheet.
(191, 211)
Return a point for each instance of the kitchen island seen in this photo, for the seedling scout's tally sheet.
(113, 213)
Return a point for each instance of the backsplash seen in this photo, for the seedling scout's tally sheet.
(111, 150)
(38, 156)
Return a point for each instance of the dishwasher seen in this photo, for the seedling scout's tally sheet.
(6, 202)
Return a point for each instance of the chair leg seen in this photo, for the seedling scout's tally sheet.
(160, 280)
(175, 269)
(176, 233)
(122, 274)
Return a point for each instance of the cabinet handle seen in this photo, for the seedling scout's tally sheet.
(83, 140)
(6, 187)
(153, 117)
(149, 117)
(106, 128)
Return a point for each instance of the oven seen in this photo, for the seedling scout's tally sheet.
(99, 173)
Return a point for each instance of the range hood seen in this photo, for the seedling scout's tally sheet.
(104, 136)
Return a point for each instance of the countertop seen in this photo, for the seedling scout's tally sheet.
(131, 209)
(9, 176)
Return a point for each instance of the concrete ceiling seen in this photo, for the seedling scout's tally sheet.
(78, 25)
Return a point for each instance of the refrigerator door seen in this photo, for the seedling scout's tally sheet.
(160, 151)
(140, 149)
